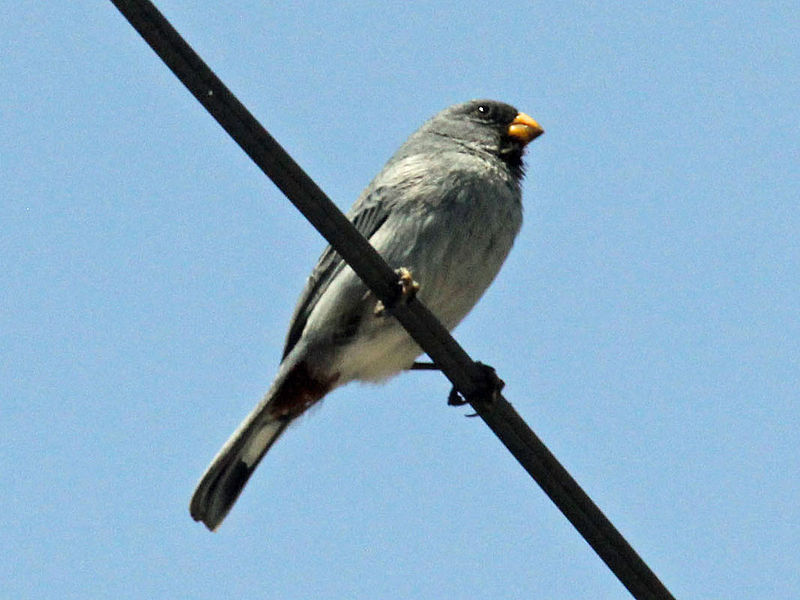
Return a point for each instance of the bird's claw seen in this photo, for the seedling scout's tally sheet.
(454, 398)
(408, 289)
(489, 389)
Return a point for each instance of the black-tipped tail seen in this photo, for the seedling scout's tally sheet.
(228, 473)
(292, 392)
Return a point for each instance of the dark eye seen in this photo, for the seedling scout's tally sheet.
(484, 111)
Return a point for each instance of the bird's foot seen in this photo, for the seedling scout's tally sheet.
(408, 289)
(489, 388)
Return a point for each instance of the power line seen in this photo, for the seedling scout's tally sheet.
(468, 377)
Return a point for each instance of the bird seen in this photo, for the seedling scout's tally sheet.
(444, 211)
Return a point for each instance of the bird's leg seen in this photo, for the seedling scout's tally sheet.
(424, 366)
(408, 289)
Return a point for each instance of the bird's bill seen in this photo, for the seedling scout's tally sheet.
(524, 128)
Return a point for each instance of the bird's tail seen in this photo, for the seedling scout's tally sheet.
(293, 391)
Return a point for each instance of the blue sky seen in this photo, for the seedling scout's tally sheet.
(646, 322)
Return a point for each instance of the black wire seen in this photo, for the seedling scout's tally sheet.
(467, 376)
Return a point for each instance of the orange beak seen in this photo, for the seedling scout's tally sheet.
(524, 128)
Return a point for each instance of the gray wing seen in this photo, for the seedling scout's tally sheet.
(368, 214)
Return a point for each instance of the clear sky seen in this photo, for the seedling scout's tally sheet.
(647, 322)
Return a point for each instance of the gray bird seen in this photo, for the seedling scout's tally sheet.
(444, 210)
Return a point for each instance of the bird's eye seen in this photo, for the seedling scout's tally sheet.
(484, 111)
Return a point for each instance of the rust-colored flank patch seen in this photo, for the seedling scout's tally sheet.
(300, 390)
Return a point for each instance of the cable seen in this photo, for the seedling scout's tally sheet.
(468, 377)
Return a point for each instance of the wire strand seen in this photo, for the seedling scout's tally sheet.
(467, 376)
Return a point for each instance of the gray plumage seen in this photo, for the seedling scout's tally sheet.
(447, 206)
